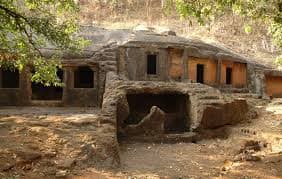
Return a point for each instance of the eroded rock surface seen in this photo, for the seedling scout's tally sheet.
(207, 107)
(152, 124)
(228, 113)
(54, 141)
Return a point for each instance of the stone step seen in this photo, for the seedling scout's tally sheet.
(46, 103)
(200, 91)
(185, 137)
(212, 102)
(210, 97)
(234, 90)
(247, 95)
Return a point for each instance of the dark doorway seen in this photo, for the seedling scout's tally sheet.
(10, 78)
(174, 105)
(228, 76)
(84, 77)
(41, 92)
(200, 73)
(151, 64)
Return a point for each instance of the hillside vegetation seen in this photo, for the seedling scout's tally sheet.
(227, 30)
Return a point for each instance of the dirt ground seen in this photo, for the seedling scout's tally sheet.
(210, 158)
(54, 142)
(41, 142)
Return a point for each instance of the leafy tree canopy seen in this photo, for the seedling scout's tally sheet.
(269, 11)
(26, 26)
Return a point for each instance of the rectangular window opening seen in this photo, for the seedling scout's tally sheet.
(151, 64)
(200, 73)
(41, 92)
(84, 77)
(228, 76)
(10, 78)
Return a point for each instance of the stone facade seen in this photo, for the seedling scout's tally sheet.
(15, 94)
(134, 62)
(100, 63)
(206, 107)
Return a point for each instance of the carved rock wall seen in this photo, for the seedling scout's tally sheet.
(207, 107)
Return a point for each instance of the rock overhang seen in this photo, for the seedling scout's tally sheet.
(202, 100)
(101, 38)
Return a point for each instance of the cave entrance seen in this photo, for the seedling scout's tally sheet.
(175, 107)
(84, 77)
(10, 78)
(200, 73)
(152, 64)
(228, 76)
(41, 92)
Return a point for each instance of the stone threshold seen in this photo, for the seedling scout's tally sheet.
(49, 103)
(186, 137)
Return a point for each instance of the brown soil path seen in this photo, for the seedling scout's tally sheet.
(212, 158)
(50, 142)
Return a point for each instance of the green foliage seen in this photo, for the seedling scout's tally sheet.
(278, 60)
(45, 72)
(269, 11)
(26, 26)
(248, 29)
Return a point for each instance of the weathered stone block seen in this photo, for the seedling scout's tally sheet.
(229, 113)
(151, 124)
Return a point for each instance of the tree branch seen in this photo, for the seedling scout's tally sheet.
(21, 28)
(14, 14)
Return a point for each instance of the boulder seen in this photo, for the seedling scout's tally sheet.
(228, 113)
(151, 124)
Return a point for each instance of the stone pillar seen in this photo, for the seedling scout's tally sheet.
(139, 63)
(95, 77)
(185, 65)
(169, 59)
(25, 87)
(97, 84)
(162, 65)
(260, 83)
(102, 83)
(122, 69)
(218, 72)
(264, 90)
(68, 82)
